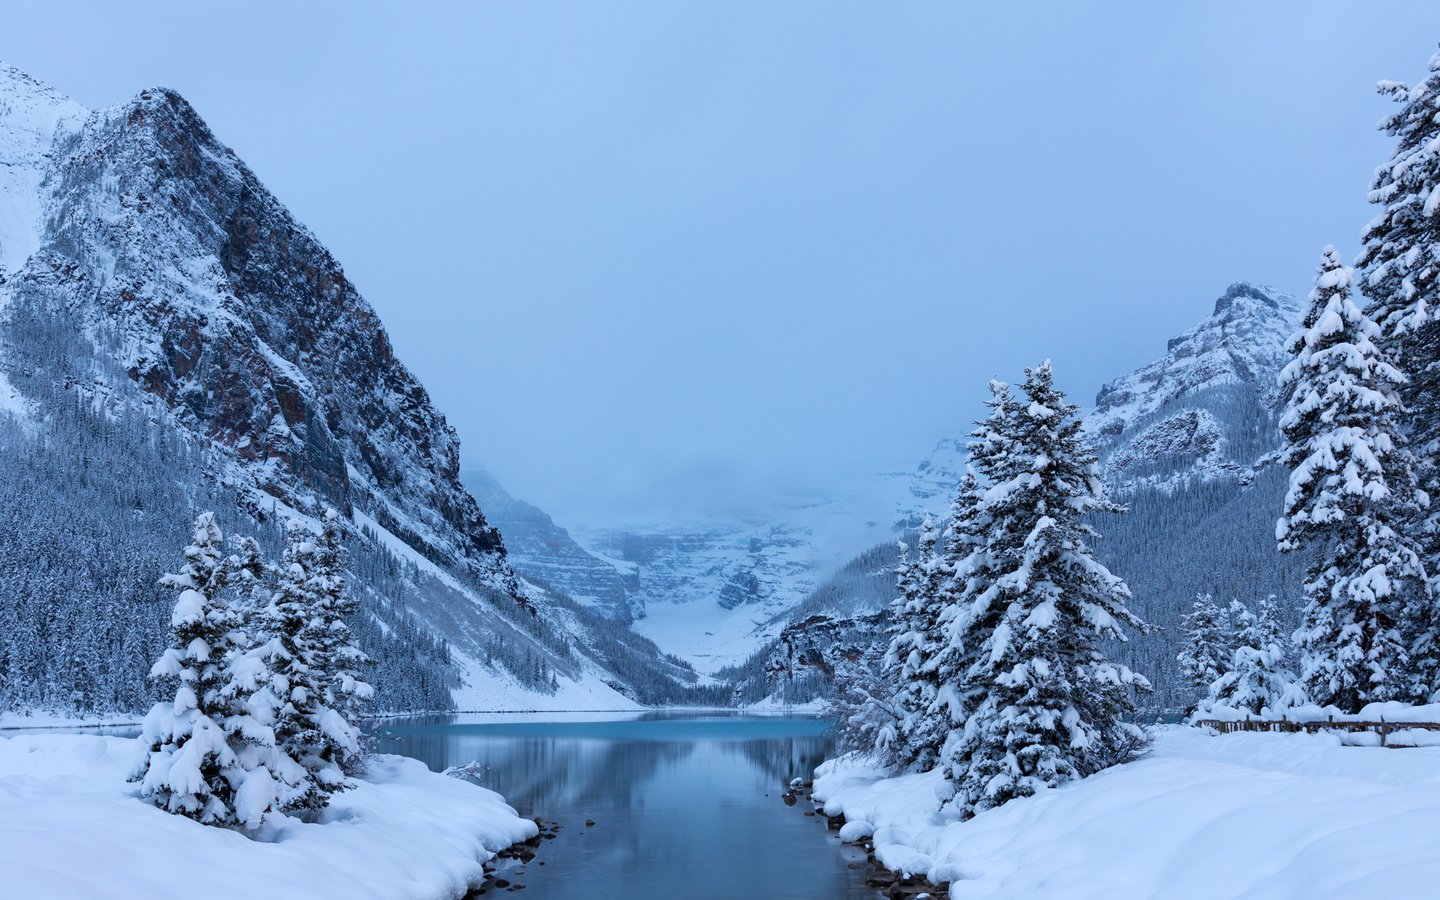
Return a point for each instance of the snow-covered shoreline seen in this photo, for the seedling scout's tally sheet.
(1241, 815)
(72, 826)
(41, 719)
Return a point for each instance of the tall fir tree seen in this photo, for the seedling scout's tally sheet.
(1401, 256)
(1352, 495)
(976, 603)
(1401, 265)
(1209, 645)
(1051, 705)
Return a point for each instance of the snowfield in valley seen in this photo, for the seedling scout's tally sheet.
(71, 826)
(1240, 815)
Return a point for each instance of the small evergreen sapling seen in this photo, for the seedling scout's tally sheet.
(911, 649)
(1258, 681)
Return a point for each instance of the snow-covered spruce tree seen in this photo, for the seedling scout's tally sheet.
(1401, 256)
(311, 662)
(976, 604)
(1401, 264)
(190, 768)
(1209, 645)
(1052, 705)
(951, 636)
(1352, 496)
(1258, 680)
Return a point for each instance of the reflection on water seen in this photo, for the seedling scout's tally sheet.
(679, 801)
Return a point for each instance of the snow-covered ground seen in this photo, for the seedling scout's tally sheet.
(70, 826)
(496, 690)
(1239, 815)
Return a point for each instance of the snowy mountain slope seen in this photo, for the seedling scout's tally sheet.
(1206, 408)
(152, 285)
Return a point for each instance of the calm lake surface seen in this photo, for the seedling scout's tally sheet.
(679, 802)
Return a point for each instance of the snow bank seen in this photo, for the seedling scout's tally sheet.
(1392, 711)
(1241, 815)
(70, 826)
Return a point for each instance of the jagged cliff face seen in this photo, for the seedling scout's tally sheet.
(148, 279)
(230, 313)
(1207, 408)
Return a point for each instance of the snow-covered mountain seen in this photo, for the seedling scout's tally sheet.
(1203, 410)
(713, 591)
(170, 337)
(708, 591)
(1188, 442)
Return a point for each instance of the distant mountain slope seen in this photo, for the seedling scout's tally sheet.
(712, 592)
(538, 548)
(166, 322)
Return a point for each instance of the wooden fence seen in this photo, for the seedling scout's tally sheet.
(1383, 728)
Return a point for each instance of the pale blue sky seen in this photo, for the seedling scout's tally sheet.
(690, 255)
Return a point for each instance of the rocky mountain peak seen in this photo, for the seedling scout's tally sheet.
(1241, 343)
(239, 322)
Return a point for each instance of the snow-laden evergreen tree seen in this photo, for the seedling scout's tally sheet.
(864, 707)
(188, 760)
(1051, 704)
(1351, 498)
(976, 604)
(1258, 680)
(951, 653)
(1209, 645)
(1401, 256)
(312, 663)
(191, 766)
(1401, 265)
(910, 649)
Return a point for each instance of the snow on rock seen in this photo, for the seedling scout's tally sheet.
(1242, 815)
(32, 117)
(70, 826)
(1241, 343)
